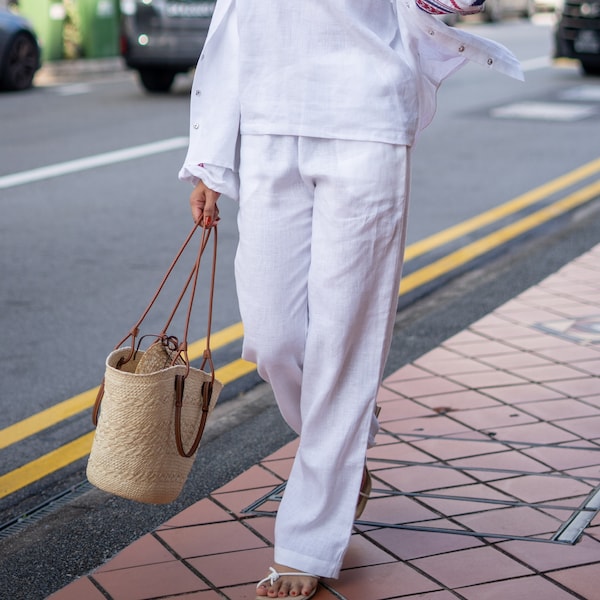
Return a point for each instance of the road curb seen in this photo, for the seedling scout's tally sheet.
(72, 70)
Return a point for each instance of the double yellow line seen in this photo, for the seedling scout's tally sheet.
(79, 448)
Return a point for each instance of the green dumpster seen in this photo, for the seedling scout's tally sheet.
(47, 18)
(99, 27)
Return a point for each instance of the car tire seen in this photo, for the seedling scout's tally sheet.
(157, 80)
(22, 61)
(492, 13)
(590, 68)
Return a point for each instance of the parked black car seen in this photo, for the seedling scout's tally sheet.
(577, 34)
(19, 52)
(160, 38)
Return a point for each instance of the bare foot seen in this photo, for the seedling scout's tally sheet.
(287, 586)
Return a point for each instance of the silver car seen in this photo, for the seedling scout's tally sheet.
(19, 52)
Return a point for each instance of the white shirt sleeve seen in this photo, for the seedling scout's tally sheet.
(218, 179)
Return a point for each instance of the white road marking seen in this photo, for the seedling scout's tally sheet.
(549, 111)
(91, 162)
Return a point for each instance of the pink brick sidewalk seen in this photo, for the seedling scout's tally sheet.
(496, 433)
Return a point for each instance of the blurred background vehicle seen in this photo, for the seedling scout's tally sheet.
(160, 38)
(19, 52)
(497, 10)
(577, 34)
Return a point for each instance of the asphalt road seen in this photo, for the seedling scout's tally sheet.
(79, 250)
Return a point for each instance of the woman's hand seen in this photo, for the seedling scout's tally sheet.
(203, 202)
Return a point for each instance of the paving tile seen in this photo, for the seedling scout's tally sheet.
(407, 372)
(449, 449)
(419, 478)
(426, 426)
(583, 580)
(396, 509)
(534, 433)
(395, 451)
(238, 501)
(151, 581)
(563, 509)
(517, 359)
(563, 458)
(556, 410)
(466, 500)
(588, 366)
(503, 330)
(527, 392)
(460, 364)
(77, 590)
(494, 417)
(207, 595)
(377, 582)
(205, 511)
(586, 427)
(542, 488)
(254, 477)
(576, 388)
(145, 551)
(434, 356)
(210, 539)
(544, 557)
(523, 588)
(409, 544)
(441, 595)
(425, 387)
(362, 553)
(463, 400)
(568, 352)
(511, 521)
(234, 568)
(265, 526)
(592, 400)
(589, 474)
(281, 468)
(500, 465)
(541, 374)
(486, 379)
(470, 567)
(402, 409)
(484, 348)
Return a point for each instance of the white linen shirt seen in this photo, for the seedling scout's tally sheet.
(324, 68)
(431, 50)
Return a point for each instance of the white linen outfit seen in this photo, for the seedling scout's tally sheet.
(306, 111)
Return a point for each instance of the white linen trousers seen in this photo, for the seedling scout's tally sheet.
(322, 227)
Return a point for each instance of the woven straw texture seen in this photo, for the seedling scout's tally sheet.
(134, 453)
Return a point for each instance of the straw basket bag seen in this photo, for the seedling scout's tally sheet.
(153, 406)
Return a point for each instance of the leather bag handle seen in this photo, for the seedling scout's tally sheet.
(181, 348)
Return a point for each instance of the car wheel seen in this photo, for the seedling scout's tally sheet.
(22, 60)
(492, 13)
(529, 12)
(590, 68)
(157, 80)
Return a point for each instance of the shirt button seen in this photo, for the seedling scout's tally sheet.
(490, 61)
(461, 48)
(196, 126)
(431, 32)
(198, 92)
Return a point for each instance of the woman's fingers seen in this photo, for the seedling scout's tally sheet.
(203, 202)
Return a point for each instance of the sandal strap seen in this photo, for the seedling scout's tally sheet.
(275, 575)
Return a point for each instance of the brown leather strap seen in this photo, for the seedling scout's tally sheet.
(181, 347)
